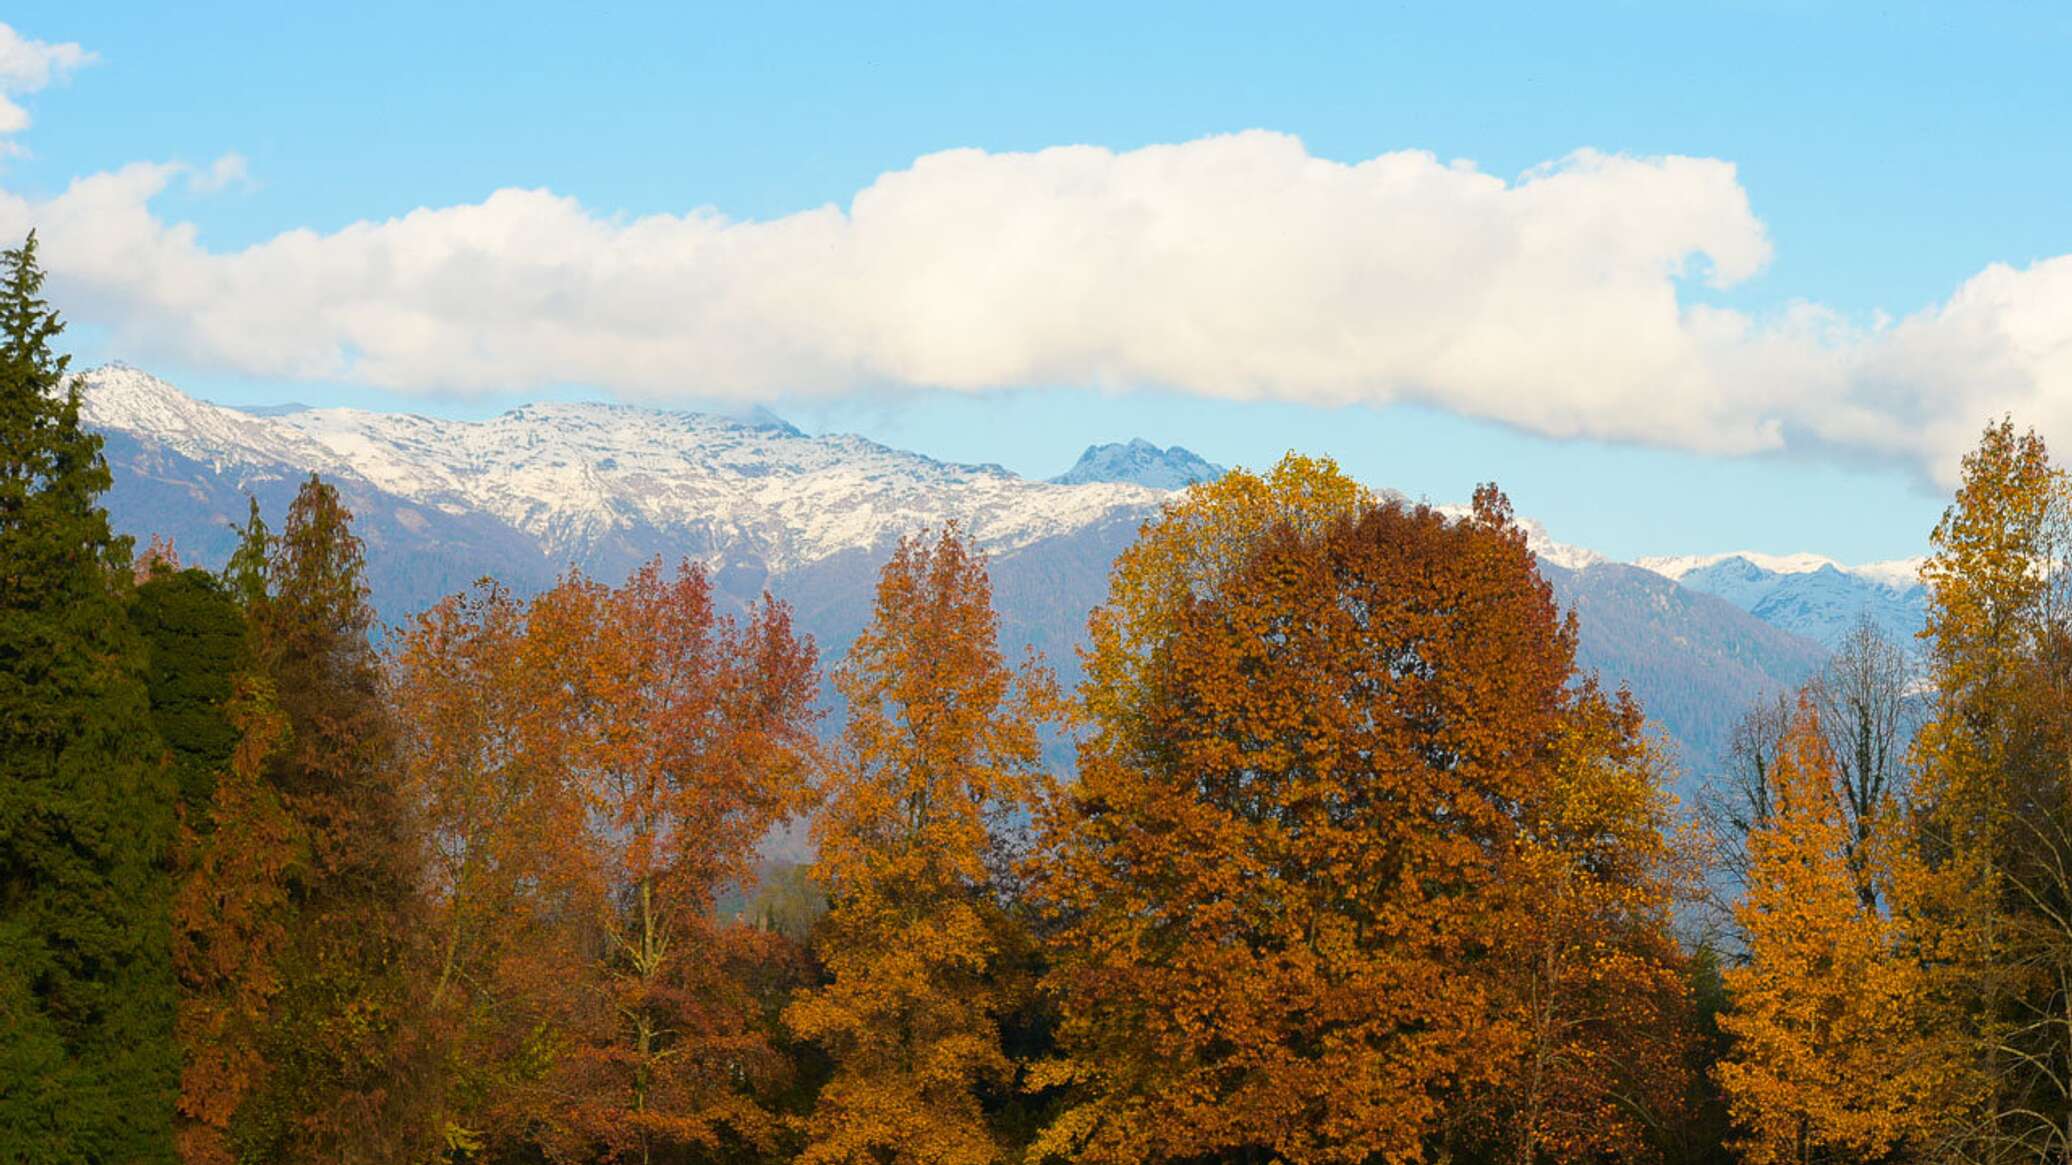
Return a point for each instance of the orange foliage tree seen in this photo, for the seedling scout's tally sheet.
(294, 931)
(700, 742)
(1194, 545)
(594, 770)
(1826, 1061)
(1591, 976)
(942, 752)
(1324, 732)
(491, 743)
(231, 919)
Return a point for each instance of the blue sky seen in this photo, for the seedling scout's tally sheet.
(1890, 153)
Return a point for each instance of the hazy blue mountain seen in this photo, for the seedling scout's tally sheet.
(1139, 462)
(1696, 661)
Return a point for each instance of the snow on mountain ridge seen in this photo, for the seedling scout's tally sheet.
(121, 397)
(574, 475)
(1559, 553)
(1537, 540)
(1896, 573)
(578, 477)
(1808, 594)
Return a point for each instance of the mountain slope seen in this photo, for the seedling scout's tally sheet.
(1695, 660)
(416, 553)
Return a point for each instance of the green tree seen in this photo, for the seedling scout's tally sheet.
(195, 633)
(87, 1061)
(245, 572)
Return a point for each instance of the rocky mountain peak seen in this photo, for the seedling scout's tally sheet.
(1139, 462)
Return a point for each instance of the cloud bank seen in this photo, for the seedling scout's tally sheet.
(1239, 266)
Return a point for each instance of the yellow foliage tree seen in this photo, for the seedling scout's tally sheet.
(1988, 901)
(1195, 543)
(941, 753)
(1826, 1062)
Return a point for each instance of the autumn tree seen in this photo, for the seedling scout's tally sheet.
(1827, 1063)
(1195, 543)
(87, 1062)
(303, 1035)
(694, 739)
(215, 717)
(231, 906)
(1591, 975)
(941, 753)
(487, 703)
(1868, 711)
(1278, 872)
(1989, 908)
(591, 770)
(232, 920)
(1735, 798)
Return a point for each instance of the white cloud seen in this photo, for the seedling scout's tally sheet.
(27, 66)
(1238, 266)
(227, 171)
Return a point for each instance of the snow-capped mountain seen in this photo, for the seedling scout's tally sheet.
(579, 478)
(527, 494)
(1139, 462)
(1808, 594)
(1547, 549)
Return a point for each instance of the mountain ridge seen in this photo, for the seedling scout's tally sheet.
(1809, 594)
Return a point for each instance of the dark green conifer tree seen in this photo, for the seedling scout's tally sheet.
(195, 633)
(87, 1061)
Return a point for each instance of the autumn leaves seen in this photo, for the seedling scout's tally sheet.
(1353, 870)
(594, 766)
(925, 954)
(1828, 1057)
(1354, 866)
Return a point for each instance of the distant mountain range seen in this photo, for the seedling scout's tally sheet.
(1808, 595)
(527, 494)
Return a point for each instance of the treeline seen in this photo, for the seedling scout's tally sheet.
(1355, 866)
